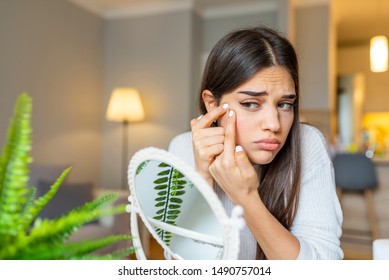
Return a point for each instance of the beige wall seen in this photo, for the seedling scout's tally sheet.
(53, 50)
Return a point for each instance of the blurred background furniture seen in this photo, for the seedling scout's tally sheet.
(354, 172)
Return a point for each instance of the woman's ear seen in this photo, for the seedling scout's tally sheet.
(209, 100)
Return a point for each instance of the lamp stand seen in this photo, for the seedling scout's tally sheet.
(124, 155)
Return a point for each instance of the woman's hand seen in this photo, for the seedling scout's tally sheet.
(235, 174)
(232, 169)
(208, 142)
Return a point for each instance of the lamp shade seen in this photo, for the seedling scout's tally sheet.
(379, 54)
(125, 105)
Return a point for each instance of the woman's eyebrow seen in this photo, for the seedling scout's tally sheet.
(254, 93)
(290, 96)
(264, 93)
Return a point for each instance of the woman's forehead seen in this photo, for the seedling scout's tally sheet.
(272, 79)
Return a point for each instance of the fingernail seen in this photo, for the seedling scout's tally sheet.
(238, 149)
(225, 105)
(231, 113)
(199, 117)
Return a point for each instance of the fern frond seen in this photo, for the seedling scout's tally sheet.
(61, 228)
(88, 247)
(142, 166)
(71, 250)
(14, 162)
(99, 202)
(90, 211)
(55, 232)
(117, 255)
(170, 184)
(30, 200)
(42, 201)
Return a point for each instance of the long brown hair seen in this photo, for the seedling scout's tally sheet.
(233, 61)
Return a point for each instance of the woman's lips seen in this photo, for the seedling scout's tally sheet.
(268, 144)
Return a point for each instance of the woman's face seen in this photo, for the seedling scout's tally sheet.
(264, 108)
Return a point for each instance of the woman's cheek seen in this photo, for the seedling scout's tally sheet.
(223, 123)
(241, 131)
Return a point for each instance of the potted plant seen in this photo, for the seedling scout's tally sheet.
(23, 235)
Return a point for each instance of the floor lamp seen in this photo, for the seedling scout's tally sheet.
(125, 106)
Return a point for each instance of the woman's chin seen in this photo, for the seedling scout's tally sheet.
(261, 157)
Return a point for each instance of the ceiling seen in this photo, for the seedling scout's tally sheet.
(357, 20)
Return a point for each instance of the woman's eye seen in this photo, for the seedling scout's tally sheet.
(287, 106)
(250, 105)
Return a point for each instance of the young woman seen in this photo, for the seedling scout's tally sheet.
(250, 146)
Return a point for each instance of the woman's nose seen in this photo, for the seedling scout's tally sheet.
(271, 120)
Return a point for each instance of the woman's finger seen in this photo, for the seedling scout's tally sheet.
(229, 138)
(243, 162)
(208, 132)
(209, 141)
(211, 152)
(207, 119)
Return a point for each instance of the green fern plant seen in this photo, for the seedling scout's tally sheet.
(23, 235)
(170, 186)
